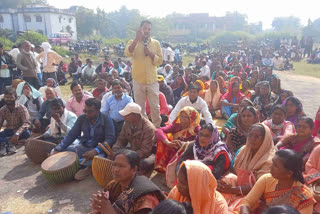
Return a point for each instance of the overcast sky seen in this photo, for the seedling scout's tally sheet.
(256, 10)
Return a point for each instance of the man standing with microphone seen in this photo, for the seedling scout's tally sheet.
(146, 57)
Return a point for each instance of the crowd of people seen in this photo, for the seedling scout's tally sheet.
(227, 136)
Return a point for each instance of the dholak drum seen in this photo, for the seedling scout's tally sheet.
(60, 167)
(38, 150)
(102, 170)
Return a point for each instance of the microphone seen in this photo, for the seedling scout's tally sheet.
(145, 43)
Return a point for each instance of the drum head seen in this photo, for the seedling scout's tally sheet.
(59, 161)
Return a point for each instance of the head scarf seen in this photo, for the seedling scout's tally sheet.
(194, 118)
(223, 84)
(212, 99)
(294, 118)
(214, 148)
(201, 89)
(164, 69)
(54, 82)
(46, 49)
(260, 162)
(175, 85)
(228, 96)
(240, 124)
(35, 92)
(202, 190)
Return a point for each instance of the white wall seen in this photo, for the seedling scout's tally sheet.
(7, 22)
(56, 26)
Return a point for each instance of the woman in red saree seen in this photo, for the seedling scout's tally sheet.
(171, 137)
(284, 185)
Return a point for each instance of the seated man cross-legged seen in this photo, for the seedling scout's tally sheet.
(91, 128)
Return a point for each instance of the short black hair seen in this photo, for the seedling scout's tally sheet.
(93, 102)
(194, 87)
(172, 207)
(282, 209)
(74, 84)
(116, 82)
(10, 91)
(308, 120)
(280, 107)
(145, 22)
(57, 102)
(132, 157)
(208, 126)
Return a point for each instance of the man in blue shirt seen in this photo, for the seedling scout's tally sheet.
(115, 103)
(91, 128)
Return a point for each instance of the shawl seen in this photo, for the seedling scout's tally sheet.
(316, 125)
(212, 99)
(214, 147)
(35, 92)
(228, 96)
(194, 118)
(223, 84)
(260, 162)
(312, 171)
(202, 190)
(175, 85)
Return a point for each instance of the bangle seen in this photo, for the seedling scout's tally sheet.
(240, 190)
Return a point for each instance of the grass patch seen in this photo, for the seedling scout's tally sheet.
(303, 68)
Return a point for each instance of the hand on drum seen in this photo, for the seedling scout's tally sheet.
(90, 154)
(176, 144)
(100, 203)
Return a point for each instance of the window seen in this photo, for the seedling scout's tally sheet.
(70, 20)
(1, 19)
(27, 18)
(38, 18)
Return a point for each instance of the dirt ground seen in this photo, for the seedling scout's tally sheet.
(24, 190)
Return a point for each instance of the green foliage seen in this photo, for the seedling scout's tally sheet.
(61, 50)
(228, 37)
(33, 37)
(7, 43)
(286, 24)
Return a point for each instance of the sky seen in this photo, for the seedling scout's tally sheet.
(256, 10)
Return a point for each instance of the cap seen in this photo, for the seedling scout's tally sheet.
(130, 108)
(160, 78)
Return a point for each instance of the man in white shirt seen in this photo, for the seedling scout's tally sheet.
(194, 101)
(205, 70)
(88, 72)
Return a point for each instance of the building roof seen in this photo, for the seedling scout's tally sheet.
(38, 9)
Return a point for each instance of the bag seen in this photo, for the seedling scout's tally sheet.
(171, 167)
(245, 177)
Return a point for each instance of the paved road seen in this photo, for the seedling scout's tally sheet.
(306, 88)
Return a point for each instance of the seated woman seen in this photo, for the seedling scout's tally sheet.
(283, 96)
(222, 84)
(265, 100)
(179, 87)
(284, 185)
(128, 193)
(237, 137)
(279, 127)
(275, 84)
(197, 185)
(30, 98)
(52, 84)
(252, 161)
(312, 172)
(170, 138)
(316, 128)
(230, 100)
(212, 97)
(232, 121)
(294, 109)
(245, 89)
(210, 150)
(302, 142)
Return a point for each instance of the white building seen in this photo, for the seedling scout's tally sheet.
(43, 19)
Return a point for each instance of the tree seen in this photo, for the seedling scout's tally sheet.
(290, 24)
(33, 37)
(86, 20)
(20, 3)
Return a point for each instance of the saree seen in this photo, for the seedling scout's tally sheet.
(258, 164)
(140, 194)
(230, 99)
(173, 132)
(202, 190)
(312, 172)
(280, 130)
(298, 196)
(211, 99)
(316, 125)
